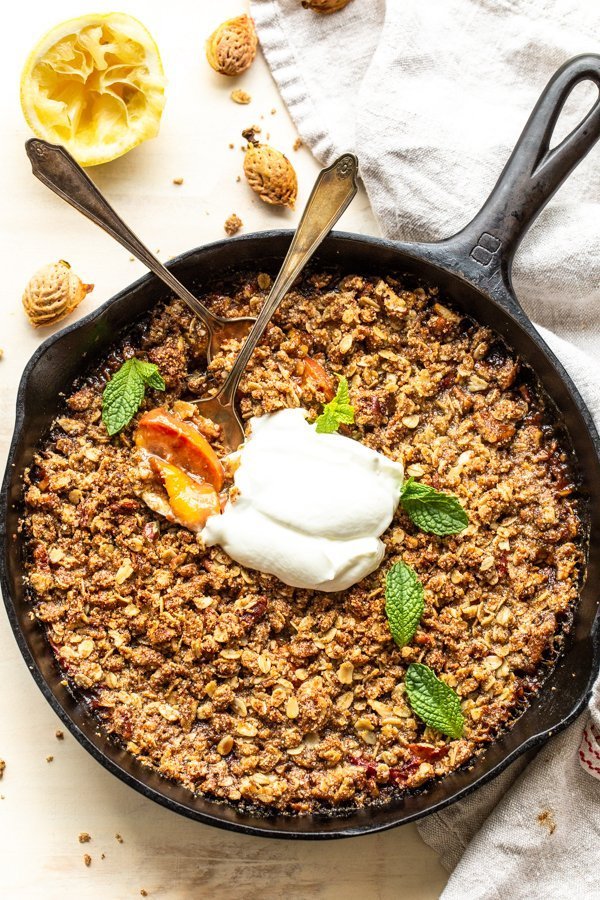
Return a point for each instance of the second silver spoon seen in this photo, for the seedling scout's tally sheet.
(334, 189)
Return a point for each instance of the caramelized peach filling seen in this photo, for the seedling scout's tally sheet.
(168, 437)
(191, 502)
(184, 463)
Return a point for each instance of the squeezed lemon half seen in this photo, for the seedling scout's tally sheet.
(96, 85)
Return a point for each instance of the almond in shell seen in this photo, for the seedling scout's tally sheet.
(271, 175)
(52, 293)
(231, 48)
(325, 6)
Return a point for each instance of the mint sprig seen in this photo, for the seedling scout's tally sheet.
(433, 701)
(403, 602)
(125, 391)
(338, 411)
(433, 511)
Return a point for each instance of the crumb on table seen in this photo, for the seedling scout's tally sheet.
(240, 96)
(233, 224)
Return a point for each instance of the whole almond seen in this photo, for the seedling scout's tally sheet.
(231, 48)
(271, 175)
(325, 6)
(53, 293)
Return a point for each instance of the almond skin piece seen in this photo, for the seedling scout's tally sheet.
(231, 48)
(162, 434)
(325, 6)
(271, 175)
(53, 293)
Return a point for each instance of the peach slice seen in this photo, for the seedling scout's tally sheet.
(319, 376)
(191, 502)
(169, 437)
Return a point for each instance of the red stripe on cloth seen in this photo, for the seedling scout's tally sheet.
(589, 751)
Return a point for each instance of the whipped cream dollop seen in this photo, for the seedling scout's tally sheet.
(309, 508)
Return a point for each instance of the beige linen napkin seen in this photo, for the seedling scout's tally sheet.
(432, 97)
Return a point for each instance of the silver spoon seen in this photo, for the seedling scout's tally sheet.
(57, 169)
(334, 189)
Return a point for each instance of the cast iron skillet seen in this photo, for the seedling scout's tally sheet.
(473, 268)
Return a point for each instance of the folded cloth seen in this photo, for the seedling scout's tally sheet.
(432, 97)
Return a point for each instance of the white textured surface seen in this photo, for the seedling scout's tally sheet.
(434, 113)
(46, 805)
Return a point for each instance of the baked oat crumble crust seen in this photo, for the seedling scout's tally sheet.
(244, 689)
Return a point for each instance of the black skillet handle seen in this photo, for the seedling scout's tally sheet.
(484, 251)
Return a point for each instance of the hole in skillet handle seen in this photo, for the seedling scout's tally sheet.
(484, 250)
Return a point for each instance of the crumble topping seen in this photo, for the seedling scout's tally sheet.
(249, 691)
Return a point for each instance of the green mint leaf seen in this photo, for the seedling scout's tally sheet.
(403, 602)
(431, 510)
(125, 391)
(338, 411)
(150, 374)
(433, 701)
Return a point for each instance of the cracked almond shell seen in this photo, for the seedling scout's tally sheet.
(231, 48)
(52, 293)
(271, 175)
(325, 6)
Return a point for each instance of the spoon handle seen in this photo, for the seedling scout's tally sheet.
(57, 169)
(333, 190)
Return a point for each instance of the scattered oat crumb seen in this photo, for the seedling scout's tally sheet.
(242, 97)
(87, 859)
(49, 758)
(546, 818)
(103, 856)
(273, 111)
(231, 146)
(251, 132)
(143, 892)
(298, 143)
(132, 259)
(84, 837)
(233, 224)
(119, 838)
(1, 353)
(2, 767)
(59, 735)
(239, 178)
